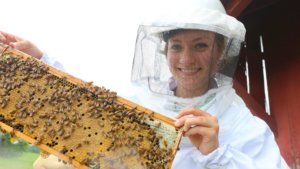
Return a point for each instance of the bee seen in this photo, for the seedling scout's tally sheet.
(34, 125)
(73, 127)
(31, 92)
(12, 132)
(151, 138)
(3, 51)
(101, 123)
(151, 131)
(47, 98)
(55, 81)
(139, 139)
(158, 136)
(165, 143)
(85, 141)
(63, 150)
(70, 160)
(44, 154)
(67, 135)
(127, 127)
(114, 129)
(45, 128)
(23, 114)
(90, 153)
(85, 161)
(44, 115)
(79, 124)
(89, 84)
(100, 155)
(52, 133)
(113, 123)
(52, 117)
(106, 134)
(31, 113)
(151, 114)
(31, 130)
(134, 126)
(78, 146)
(3, 105)
(111, 147)
(39, 140)
(67, 123)
(61, 132)
(3, 93)
(42, 90)
(150, 157)
(158, 124)
(19, 104)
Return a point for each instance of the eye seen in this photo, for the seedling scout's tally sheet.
(201, 45)
(175, 47)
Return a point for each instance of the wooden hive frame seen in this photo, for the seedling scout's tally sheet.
(149, 133)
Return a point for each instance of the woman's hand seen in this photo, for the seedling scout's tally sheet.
(201, 127)
(20, 44)
(50, 162)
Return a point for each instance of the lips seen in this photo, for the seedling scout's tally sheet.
(189, 70)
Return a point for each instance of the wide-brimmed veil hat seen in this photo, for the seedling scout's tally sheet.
(150, 65)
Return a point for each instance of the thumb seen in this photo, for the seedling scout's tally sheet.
(20, 45)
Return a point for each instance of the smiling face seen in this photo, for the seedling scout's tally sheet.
(192, 59)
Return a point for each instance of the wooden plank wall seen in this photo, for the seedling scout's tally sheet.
(279, 25)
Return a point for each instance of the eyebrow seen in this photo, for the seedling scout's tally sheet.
(194, 40)
(200, 38)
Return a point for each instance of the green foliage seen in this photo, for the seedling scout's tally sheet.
(24, 161)
(5, 139)
(21, 145)
(8, 149)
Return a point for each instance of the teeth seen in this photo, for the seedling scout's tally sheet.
(189, 70)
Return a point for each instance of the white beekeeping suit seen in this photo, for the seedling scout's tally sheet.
(245, 141)
(52, 61)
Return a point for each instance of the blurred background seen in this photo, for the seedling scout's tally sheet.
(94, 40)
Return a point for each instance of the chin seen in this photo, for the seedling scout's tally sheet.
(193, 85)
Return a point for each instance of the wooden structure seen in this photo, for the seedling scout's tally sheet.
(276, 24)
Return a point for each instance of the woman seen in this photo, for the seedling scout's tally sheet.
(183, 68)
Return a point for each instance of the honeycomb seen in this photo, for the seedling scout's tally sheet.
(83, 124)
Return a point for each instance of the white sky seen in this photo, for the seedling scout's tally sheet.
(93, 39)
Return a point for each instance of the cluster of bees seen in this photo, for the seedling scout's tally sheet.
(84, 122)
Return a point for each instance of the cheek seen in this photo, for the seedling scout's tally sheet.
(172, 61)
(204, 60)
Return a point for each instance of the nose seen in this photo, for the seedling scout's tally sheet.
(187, 56)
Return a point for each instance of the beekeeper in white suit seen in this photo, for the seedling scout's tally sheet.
(183, 67)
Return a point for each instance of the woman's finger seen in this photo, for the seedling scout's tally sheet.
(180, 122)
(2, 38)
(192, 111)
(205, 132)
(9, 37)
(20, 45)
(211, 122)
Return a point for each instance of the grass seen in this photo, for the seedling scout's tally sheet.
(24, 161)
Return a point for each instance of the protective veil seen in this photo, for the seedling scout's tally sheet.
(245, 141)
(150, 65)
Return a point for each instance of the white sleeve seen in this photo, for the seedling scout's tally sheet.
(255, 148)
(52, 62)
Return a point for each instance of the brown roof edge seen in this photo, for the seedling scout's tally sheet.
(236, 7)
